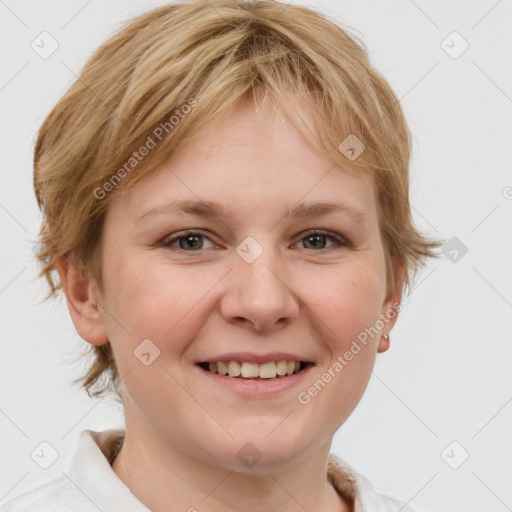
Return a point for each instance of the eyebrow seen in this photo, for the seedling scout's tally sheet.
(210, 209)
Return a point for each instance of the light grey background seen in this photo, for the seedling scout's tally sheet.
(447, 376)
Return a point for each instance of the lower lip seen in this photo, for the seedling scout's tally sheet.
(257, 387)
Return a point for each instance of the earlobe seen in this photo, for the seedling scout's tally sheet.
(82, 305)
(383, 343)
(391, 308)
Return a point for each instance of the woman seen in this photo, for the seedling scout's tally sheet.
(225, 200)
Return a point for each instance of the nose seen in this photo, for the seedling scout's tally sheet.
(257, 295)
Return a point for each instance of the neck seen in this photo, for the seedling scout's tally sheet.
(158, 475)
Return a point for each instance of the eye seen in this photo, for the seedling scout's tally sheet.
(315, 239)
(186, 240)
(193, 241)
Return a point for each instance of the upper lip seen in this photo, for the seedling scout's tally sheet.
(251, 357)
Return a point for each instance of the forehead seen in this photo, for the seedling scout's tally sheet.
(250, 162)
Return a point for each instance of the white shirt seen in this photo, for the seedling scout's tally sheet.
(89, 484)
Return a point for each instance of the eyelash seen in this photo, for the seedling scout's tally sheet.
(338, 240)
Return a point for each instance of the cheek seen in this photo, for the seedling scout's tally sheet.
(140, 289)
(156, 301)
(348, 310)
(349, 302)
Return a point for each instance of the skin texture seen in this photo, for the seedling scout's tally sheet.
(183, 432)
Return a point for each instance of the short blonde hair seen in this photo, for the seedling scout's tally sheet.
(175, 70)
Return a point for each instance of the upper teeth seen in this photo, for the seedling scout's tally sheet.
(245, 369)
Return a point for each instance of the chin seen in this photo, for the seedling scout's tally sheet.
(254, 451)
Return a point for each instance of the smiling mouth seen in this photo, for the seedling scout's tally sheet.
(253, 371)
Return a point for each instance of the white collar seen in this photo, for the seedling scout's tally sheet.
(90, 470)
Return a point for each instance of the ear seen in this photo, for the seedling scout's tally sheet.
(81, 301)
(391, 308)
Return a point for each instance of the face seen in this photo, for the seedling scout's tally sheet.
(255, 284)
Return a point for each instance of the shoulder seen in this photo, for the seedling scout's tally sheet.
(357, 488)
(57, 495)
